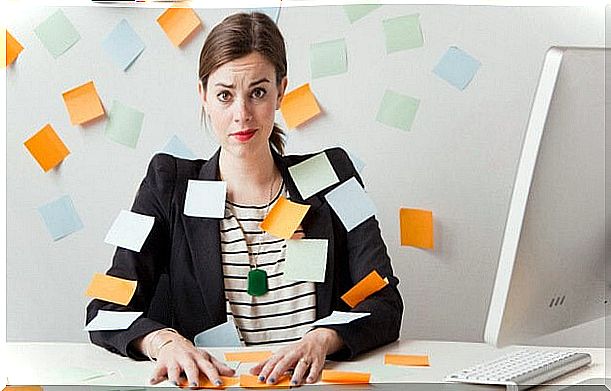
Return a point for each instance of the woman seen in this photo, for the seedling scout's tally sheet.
(190, 275)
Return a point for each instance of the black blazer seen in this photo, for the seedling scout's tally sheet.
(179, 273)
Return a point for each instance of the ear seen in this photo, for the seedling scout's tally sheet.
(202, 95)
(281, 90)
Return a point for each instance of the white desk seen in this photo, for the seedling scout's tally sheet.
(40, 363)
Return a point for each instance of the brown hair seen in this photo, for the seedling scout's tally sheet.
(237, 36)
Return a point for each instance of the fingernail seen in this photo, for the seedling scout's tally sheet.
(272, 380)
(174, 382)
(194, 384)
(152, 379)
(261, 378)
(294, 382)
(218, 382)
(310, 380)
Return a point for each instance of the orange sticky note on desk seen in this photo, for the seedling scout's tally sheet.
(344, 377)
(298, 106)
(113, 289)
(204, 382)
(252, 381)
(47, 148)
(369, 285)
(178, 23)
(13, 48)
(406, 359)
(23, 388)
(83, 103)
(416, 228)
(284, 218)
(255, 356)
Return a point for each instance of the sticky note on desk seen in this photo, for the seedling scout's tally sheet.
(416, 228)
(299, 106)
(130, 230)
(397, 110)
(339, 317)
(204, 382)
(351, 204)
(60, 217)
(402, 33)
(23, 388)
(47, 148)
(328, 58)
(284, 218)
(358, 11)
(113, 289)
(83, 103)
(345, 377)
(313, 175)
(124, 124)
(248, 356)
(205, 199)
(112, 320)
(406, 359)
(457, 67)
(252, 381)
(306, 260)
(57, 33)
(179, 23)
(369, 285)
(13, 48)
(123, 45)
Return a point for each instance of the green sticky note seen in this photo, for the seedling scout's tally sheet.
(328, 58)
(402, 33)
(357, 11)
(306, 260)
(124, 124)
(397, 110)
(57, 34)
(313, 175)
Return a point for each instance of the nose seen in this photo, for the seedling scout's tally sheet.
(243, 111)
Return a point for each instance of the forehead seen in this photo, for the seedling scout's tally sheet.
(253, 65)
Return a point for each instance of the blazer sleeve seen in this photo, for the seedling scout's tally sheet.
(152, 199)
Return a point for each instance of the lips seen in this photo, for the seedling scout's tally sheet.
(244, 135)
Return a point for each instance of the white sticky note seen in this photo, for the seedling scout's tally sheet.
(339, 317)
(112, 320)
(205, 199)
(223, 335)
(313, 175)
(351, 203)
(306, 260)
(130, 230)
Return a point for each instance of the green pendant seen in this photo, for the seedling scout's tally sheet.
(257, 282)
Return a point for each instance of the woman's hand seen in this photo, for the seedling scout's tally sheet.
(307, 356)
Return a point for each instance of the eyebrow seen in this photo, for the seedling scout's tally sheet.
(254, 83)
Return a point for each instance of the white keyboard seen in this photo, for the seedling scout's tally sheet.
(522, 369)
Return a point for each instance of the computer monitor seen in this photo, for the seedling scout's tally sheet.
(551, 271)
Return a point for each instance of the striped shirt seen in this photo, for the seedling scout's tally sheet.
(285, 312)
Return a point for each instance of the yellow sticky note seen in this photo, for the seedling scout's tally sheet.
(369, 285)
(254, 356)
(178, 23)
(298, 106)
(284, 218)
(113, 289)
(406, 359)
(252, 381)
(47, 148)
(416, 228)
(13, 48)
(345, 377)
(83, 103)
(204, 382)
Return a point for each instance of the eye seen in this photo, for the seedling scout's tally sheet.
(223, 96)
(258, 93)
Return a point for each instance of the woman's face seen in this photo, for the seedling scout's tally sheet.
(241, 99)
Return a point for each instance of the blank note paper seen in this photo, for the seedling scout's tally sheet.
(369, 285)
(123, 45)
(339, 317)
(284, 218)
(130, 230)
(457, 67)
(112, 320)
(179, 24)
(112, 289)
(83, 103)
(299, 106)
(60, 217)
(47, 148)
(406, 360)
(313, 175)
(328, 58)
(13, 48)
(57, 34)
(306, 260)
(397, 110)
(176, 147)
(345, 377)
(124, 124)
(358, 11)
(205, 199)
(402, 33)
(416, 228)
(351, 204)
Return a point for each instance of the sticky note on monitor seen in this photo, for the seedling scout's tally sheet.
(369, 285)
(248, 356)
(299, 106)
(13, 48)
(284, 218)
(113, 289)
(339, 317)
(123, 45)
(313, 175)
(60, 217)
(205, 199)
(457, 67)
(402, 33)
(416, 228)
(124, 124)
(112, 320)
(328, 58)
(177, 148)
(355, 12)
(351, 204)
(57, 33)
(397, 110)
(345, 377)
(47, 148)
(306, 260)
(130, 230)
(83, 103)
(179, 23)
(410, 360)
(223, 335)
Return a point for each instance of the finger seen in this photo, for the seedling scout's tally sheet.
(224, 369)
(300, 371)
(192, 372)
(258, 368)
(315, 370)
(160, 373)
(174, 373)
(268, 367)
(209, 370)
(281, 367)
(298, 234)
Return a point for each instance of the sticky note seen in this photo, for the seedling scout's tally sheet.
(313, 175)
(205, 199)
(223, 335)
(83, 103)
(306, 260)
(123, 45)
(112, 289)
(369, 285)
(177, 148)
(328, 58)
(402, 33)
(358, 163)
(345, 377)
(252, 381)
(179, 24)
(397, 110)
(204, 382)
(457, 67)
(124, 124)
(13, 48)
(272, 12)
(57, 33)
(130, 230)
(299, 106)
(248, 356)
(351, 204)
(23, 388)
(112, 320)
(60, 217)
(416, 228)
(406, 359)
(339, 317)
(47, 148)
(284, 218)
(358, 11)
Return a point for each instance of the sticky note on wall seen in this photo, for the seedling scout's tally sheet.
(13, 48)
(299, 106)
(124, 124)
(403, 33)
(179, 24)
(112, 289)
(355, 12)
(60, 217)
(123, 45)
(369, 285)
(47, 148)
(57, 33)
(397, 110)
(328, 58)
(83, 103)
(457, 67)
(416, 228)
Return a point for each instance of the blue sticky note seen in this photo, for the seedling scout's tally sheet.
(57, 33)
(177, 148)
(457, 67)
(351, 204)
(223, 335)
(358, 163)
(60, 217)
(123, 45)
(272, 12)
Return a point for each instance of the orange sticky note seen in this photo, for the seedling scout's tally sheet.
(372, 283)
(113, 289)
(179, 23)
(83, 103)
(47, 148)
(345, 377)
(13, 48)
(298, 106)
(204, 382)
(254, 356)
(416, 228)
(406, 359)
(284, 218)
(23, 388)
(252, 381)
